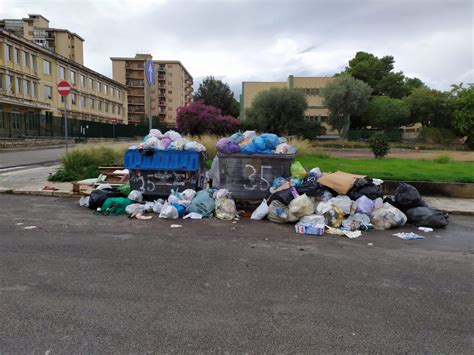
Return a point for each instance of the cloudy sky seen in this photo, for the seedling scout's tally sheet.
(244, 40)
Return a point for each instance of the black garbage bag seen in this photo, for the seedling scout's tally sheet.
(98, 197)
(427, 217)
(407, 197)
(284, 196)
(365, 186)
(312, 189)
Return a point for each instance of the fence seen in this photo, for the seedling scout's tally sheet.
(18, 125)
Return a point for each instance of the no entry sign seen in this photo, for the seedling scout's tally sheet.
(64, 88)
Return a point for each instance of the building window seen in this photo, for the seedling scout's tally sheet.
(170, 74)
(48, 92)
(62, 73)
(73, 77)
(46, 67)
(91, 104)
(83, 102)
(82, 78)
(26, 88)
(9, 83)
(16, 124)
(170, 100)
(18, 85)
(8, 53)
(17, 56)
(99, 105)
(119, 110)
(73, 99)
(119, 94)
(106, 89)
(106, 107)
(25, 58)
(34, 89)
(91, 84)
(1, 81)
(112, 91)
(170, 65)
(170, 91)
(98, 86)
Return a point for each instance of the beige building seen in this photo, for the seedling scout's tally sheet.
(29, 74)
(173, 87)
(36, 29)
(309, 85)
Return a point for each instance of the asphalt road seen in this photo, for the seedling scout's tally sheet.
(9, 158)
(85, 283)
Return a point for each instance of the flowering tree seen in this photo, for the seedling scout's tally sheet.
(198, 118)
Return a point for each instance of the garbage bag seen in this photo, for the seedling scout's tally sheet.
(151, 143)
(125, 189)
(277, 212)
(175, 196)
(222, 193)
(271, 140)
(249, 148)
(261, 211)
(358, 221)
(115, 206)
(259, 142)
(173, 135)
(364, 205)
(180, 208)
(98, 197)
(84, 201)
(249, 134)
(136, 196)
(180, 143)
(282, 148)
(284, 196)
(135, 208)
(156, 133)
(313, 175)
(196, 147)
(365, 186)
(387, 217)
(188, 194)
(427, 217)
(314, 189)
(407, 197)
(169, 212)
(165, 142)
(225, 145)
(159, 204)
(203, 203)
(297, 170)
(299, 207)
(344, 204)
(332, 215)
(225, 208)
(236, 138)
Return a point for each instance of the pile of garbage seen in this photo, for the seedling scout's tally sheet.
(344, 204)
(170, 140)
(251, 143)
(107, 200)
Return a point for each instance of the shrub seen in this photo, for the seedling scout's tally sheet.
(198, 118)
(379, 144)
(434, 135)
(442, 159)
(308, 130)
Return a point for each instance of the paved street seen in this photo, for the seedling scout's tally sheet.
(85, 283)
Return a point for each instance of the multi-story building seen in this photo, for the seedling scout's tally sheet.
(173, 87)
(29, 74)
(36, 28)
(309, 85)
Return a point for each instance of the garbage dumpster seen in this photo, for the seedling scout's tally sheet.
(249, 177)
(156, 172)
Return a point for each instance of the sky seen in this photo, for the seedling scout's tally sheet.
(264, 40)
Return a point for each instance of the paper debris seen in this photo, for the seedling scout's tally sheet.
(425, 229)
(408, 236)
(176, 226)
(30, 227)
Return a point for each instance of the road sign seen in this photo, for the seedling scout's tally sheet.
(64, 88)
(114, 121)
(150, 72)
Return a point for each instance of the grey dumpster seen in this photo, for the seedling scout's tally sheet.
(249, 177)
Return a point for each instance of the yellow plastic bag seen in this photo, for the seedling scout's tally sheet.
(297, 170)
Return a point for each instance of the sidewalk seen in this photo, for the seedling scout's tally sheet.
(32, 181)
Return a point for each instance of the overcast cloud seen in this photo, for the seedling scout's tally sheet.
(268, 40)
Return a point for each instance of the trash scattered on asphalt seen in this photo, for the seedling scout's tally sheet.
(370, 244)
(30, 227)
(50, 188)
(425, 229)
(20, 223)
(175, 226)
(336, 203)
(408, 236)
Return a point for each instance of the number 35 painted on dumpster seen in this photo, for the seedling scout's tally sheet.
(148, 186)
(252, 178)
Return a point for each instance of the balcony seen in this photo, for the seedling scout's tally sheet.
(162, 93)
(134, 83)
(136, 92)
(136, 102)
(134, 75)
(161, 68)
(161, 77)
(134, 67)
(162, 103)
(136, 110)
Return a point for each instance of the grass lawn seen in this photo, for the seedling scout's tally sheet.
(394, 169)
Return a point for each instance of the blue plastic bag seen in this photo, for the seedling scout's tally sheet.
(249, 149)
(277, 182)
(259, 143)
(271, 140)
(181, 209)
(236, 138)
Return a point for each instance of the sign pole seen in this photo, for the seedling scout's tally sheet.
(150, 79)
(149, 108)
(113, 131)
(65, 121)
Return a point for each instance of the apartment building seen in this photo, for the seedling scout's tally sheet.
(309, 85)
(173, 87)
(36, 29)
(29, 74)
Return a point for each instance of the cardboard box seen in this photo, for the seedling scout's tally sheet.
(307, 228)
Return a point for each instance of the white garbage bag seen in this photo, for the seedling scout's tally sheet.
(136, 196)
(261, 211)
(299, 207)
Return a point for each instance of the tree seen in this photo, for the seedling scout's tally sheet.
(197, 118)
(430, 107)
(412, 84)
(218, 94)
(463, 110)
(345, 96)
(387, 113)
(278, 111)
